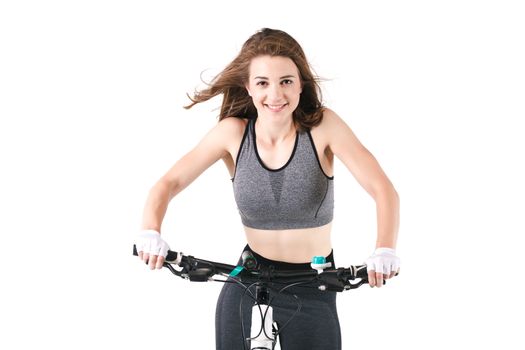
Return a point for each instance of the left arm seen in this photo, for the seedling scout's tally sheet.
(364, 167)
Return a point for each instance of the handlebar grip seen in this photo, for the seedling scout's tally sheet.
(361, 272)
(172, 256)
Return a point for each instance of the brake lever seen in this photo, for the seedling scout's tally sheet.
(200, 275)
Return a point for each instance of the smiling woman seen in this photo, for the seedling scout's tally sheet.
(278, 142)
(234, 81)
(274, 85)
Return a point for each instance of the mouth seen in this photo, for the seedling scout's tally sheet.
(276, 108)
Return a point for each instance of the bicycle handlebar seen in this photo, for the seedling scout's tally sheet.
(199, 270)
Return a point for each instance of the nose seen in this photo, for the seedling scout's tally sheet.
(275, 93)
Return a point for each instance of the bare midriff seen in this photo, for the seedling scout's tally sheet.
(293, 246)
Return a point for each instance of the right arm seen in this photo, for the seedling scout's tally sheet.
(219, 143)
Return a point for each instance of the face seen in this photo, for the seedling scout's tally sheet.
(274, 85)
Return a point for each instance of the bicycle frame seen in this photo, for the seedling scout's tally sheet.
(263, 335)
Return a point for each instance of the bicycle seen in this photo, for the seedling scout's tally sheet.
(264, 331)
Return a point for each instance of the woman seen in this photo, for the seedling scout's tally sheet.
(278, 143)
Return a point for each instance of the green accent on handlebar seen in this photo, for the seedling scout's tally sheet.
(318, 260)
(237, 270)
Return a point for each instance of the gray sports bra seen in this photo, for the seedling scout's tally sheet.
(297, 195)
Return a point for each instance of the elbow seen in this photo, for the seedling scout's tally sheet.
(394, 194)
(386, 191)
(165, 188)
(395, 197)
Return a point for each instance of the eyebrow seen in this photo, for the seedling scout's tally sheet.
(283, 77)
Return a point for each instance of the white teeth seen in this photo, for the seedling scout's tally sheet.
(276, 106)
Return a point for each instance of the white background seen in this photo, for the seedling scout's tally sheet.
(91, 97)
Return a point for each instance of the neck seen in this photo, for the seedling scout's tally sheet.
(274, 131)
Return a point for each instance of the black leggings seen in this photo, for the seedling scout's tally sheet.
(315, 327)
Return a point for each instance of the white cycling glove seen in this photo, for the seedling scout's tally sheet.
(150, 242)
(384, 260)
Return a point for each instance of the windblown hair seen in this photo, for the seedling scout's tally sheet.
(232, 81)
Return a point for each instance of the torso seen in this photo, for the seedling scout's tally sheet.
(294, 246)
(291, 245)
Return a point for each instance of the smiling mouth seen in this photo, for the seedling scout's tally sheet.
(276, 108)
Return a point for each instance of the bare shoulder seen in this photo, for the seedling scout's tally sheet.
(345, 145)
(331, 121)
(232, 126)
(225, 131)
(335, 134)
(330, 126)
(231, 131)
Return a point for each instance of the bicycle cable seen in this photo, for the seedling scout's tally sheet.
(299, 303)
(247, 289)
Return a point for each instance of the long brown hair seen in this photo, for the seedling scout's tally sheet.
(231, 82)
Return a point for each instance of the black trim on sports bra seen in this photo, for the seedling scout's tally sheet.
(240, 149)
(317, 155)
(257, 151)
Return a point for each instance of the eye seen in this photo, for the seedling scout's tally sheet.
(287, 82)
(261, 83)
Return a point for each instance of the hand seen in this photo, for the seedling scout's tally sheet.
(151, 248)
(382, 265)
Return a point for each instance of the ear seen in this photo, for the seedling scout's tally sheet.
(248, 90)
